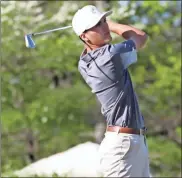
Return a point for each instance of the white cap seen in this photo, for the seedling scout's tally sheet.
(86, 18)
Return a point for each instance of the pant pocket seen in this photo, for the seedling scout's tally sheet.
(112, 152)
(125, 147)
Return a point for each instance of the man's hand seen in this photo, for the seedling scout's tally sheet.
(128, 32)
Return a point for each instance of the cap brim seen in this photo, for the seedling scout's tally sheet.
(105, 14)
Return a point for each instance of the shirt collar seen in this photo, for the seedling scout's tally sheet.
(92, 55)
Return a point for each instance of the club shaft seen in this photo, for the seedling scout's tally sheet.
(48, 31)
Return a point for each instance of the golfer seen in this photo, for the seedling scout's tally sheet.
(104, 67)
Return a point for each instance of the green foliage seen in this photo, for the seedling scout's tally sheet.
(165, 157)
(58, 115)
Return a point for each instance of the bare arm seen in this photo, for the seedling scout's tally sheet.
(128, 32)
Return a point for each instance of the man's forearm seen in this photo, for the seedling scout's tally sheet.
(128, 32)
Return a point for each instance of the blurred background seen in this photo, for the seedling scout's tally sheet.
(46, 106)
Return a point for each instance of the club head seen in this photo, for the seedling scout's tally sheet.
(29, 41)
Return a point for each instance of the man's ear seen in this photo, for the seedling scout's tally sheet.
(83, 37)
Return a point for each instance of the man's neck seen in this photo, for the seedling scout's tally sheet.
(91, 47)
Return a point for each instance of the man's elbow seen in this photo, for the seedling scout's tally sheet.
(140, 40)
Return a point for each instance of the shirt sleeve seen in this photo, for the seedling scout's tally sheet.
(127, 51)
(82, 72)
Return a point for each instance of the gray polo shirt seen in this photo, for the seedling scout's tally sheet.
(105, 70)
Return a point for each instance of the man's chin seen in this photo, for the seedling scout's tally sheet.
(108, 40)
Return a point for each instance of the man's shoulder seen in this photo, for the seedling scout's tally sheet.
(123, 47)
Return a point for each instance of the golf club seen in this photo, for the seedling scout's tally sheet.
(29, 41)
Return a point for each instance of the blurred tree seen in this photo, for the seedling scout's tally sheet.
(45, 102)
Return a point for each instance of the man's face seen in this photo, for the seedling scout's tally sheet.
(98, 35)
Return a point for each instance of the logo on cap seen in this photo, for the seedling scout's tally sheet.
(94, 10)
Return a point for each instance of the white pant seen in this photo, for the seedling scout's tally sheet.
(124, 155)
